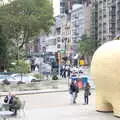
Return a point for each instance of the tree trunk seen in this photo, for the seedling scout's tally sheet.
(88, 59)
(21, 76)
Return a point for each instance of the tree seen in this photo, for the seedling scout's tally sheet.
(23, 19)
(87, 46)
(4, 51)
(19, 67)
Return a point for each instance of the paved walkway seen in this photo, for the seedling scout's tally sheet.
(56, 106)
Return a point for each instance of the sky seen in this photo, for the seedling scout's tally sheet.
(56, 7)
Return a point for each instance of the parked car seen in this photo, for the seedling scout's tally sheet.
(25, 78)
(8, 79)
(17, 79)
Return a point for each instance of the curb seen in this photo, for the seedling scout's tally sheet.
(34, 92)
(38, 91)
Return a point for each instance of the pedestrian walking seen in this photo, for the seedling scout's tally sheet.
(73, 91)
(87, 93)
(76, 90)
(63, 72)
(68, 72)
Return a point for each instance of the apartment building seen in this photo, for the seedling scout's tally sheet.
(87, 14)
(94, 20)
(118, 16)
(70, 3)
(77, 25)
(58, 25)
(108, 19)
(62, 6)
(114, 20)
(66, 35)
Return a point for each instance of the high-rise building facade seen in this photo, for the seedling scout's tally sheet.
(118, 16)
(62, 6)
(87, 14)
(108, 19)
(114, 18)
(94, 20)
(77, 25)
(70, 3)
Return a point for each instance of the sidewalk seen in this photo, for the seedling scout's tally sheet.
(61, 88)
(47, 87)
(57, 107)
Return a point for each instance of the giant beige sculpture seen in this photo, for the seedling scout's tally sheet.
(105, 70)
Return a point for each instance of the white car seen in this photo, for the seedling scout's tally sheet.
(8, 78)
(25, 78)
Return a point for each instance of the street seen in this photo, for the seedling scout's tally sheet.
(56, 106)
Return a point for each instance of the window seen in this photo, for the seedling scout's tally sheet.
(62, 4)
(58, 40)
(58, 46)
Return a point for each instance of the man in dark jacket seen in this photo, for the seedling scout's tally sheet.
(74, 90)
(8, 98)
(12, 101)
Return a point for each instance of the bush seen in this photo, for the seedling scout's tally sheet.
(6, 82)
(20, 82)
(38, 76)
(20, 66)
(55, 77)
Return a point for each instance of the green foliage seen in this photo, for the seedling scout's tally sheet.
(20, 67)
(38, 76)
(4, 49)
(87, 46)
(26, 18)
(20, 20)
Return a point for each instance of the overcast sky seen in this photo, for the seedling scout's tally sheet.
(56, 6)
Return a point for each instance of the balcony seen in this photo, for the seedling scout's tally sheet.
(118, 13)
(100, 17)
(118, 28)
(112, 30)
(113, 21)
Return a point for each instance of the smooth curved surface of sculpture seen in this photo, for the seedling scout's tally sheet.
(105, 70)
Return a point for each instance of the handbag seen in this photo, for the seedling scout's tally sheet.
(89, 93)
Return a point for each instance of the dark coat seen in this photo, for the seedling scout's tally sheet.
(74, 88)
(87, 91)
(7, 98)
